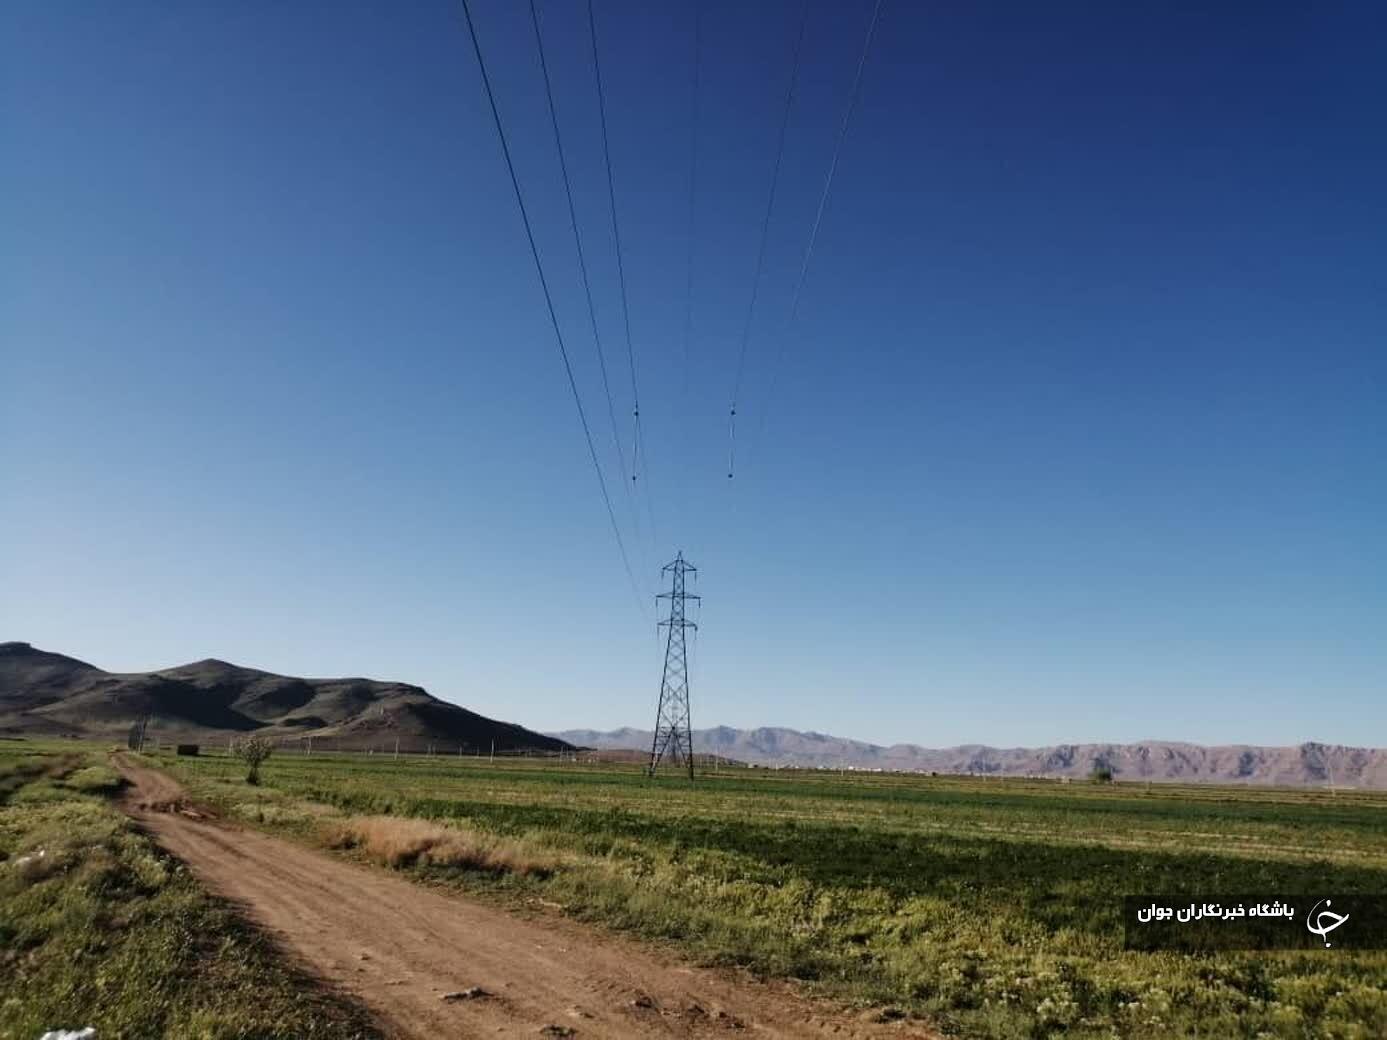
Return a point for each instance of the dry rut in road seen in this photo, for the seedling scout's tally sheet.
(435, 965)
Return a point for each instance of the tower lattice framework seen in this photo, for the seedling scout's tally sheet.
(673, 730)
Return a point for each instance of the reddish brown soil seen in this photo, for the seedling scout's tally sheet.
(434, 964)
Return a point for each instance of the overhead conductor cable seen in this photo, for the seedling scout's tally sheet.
(548, 298)
(583, 266)
(638, 462)
(819, 215)
(765, 232)
(693, 187)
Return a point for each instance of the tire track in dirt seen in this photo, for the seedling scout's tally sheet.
(435, 965)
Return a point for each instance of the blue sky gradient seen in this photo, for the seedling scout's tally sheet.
(1079, 434)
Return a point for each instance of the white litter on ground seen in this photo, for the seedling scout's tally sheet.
(89, 1033)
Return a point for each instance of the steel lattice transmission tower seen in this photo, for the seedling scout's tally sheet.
(673, 733)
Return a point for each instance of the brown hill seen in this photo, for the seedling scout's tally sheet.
(44, 693)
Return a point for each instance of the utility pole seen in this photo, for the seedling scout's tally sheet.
(673, 732)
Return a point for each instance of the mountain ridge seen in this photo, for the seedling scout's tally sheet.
(48, 694)
(1306, 764)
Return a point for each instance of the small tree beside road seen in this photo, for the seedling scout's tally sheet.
(253, 751)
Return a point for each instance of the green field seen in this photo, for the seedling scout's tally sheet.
(98, 928)
(991, 908)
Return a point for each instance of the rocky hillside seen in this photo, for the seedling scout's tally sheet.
(1305, 764)
(44, 693)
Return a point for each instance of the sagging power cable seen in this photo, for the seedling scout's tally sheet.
(765, 233)
(693, 185)
(853, 94)
(549, 300)
(582, 263)
(638, 463)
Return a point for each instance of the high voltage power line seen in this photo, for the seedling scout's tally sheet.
(693, 184)
(548, 299)
(819, 214)
(765, 232)
(638, 462)
(673, 735)
(582, 262)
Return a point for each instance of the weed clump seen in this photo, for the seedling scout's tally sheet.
(410, 842)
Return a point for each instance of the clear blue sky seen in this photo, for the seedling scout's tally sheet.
(1079, 435)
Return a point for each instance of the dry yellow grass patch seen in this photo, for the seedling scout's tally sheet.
(403, 841)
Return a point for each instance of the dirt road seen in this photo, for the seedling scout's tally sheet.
(438, 965)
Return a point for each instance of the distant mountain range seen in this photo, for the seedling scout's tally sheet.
(1306, 764)
(48, 694)
(43, 693)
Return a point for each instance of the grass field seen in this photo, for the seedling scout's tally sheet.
(98, 928)
(989, 907)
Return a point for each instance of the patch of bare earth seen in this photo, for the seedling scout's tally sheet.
(430, 964)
